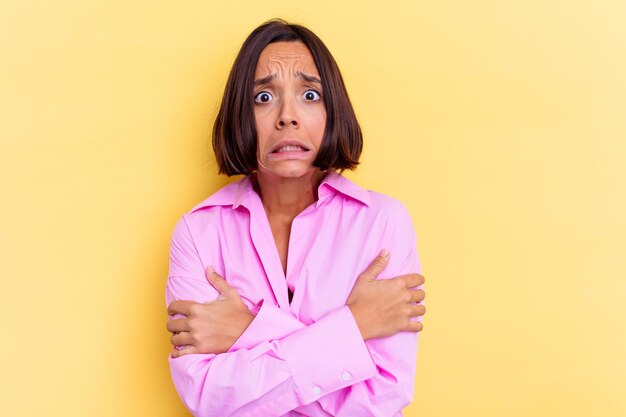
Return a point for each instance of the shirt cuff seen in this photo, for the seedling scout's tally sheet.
(270, 323)
(328, 355)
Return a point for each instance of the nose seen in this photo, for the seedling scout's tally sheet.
(287, 114)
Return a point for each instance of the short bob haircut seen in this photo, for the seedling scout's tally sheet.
(234, 131)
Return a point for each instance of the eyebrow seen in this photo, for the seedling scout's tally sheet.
(305, 77)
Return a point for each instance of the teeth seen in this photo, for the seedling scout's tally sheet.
(289, 148)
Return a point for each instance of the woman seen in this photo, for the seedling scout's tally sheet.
(292, 291)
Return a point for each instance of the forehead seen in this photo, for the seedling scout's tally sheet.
(280, 56)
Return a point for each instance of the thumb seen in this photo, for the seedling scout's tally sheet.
(217, 281)
(376, 267)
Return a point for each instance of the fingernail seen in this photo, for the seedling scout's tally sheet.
(210, 269)
(384, 253)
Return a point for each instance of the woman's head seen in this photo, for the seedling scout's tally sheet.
(284, 104)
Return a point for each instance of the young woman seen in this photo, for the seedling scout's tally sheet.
(292, 291)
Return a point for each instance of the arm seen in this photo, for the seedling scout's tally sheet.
(289, 366)
(274, 376)
(266, 377)
(391, 387)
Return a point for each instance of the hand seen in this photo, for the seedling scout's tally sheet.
(385, 307)
(212, 327)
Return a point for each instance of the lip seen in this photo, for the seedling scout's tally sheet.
(288, 142)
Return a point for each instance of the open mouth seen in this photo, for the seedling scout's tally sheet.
(289, 148)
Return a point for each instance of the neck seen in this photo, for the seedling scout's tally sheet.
(287, 197)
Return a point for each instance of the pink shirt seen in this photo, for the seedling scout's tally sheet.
(308, 357)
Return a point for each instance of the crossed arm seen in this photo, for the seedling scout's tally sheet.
(350, 362)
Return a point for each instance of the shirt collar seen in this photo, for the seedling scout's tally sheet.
(334, 183)
(238, 193)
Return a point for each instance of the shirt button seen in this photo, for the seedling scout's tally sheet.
(345, 376)
(316, 390)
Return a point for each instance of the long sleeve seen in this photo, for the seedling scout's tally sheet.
(391, 387)
(297, 366)
(279, 364)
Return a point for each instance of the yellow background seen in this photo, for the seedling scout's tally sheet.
(500, 124)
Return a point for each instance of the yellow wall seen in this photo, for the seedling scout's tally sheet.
(501, 124)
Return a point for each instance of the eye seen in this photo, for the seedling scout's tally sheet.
(263, 97)
(312, 95)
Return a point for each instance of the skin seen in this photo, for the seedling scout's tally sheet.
(289, 111)
(290, 108)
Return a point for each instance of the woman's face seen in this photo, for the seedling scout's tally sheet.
(289, 110)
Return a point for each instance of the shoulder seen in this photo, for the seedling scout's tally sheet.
(383, 202)
(229, 195)
(397, 233)
(379, 204)
(377, 211)
(373, 201)
(393, 213)
(211, 210)
(226, 198)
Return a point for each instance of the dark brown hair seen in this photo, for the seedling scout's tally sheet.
(234, 131)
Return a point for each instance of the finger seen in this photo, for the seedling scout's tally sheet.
(413, 280)
(183, 350)
(415, 326)
(181, 339)
(180, 307)
(416, 310)
(376, 267)
(417, 296)
(178, 325)
(217, 281)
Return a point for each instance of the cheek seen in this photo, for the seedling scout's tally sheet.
(320, 123)
(261, 130)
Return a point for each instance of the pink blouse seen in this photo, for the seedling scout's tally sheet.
(307, 357)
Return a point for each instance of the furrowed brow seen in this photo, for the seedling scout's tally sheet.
(309, 78)
(264, 80)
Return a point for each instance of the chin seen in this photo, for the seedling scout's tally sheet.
(290, 169)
